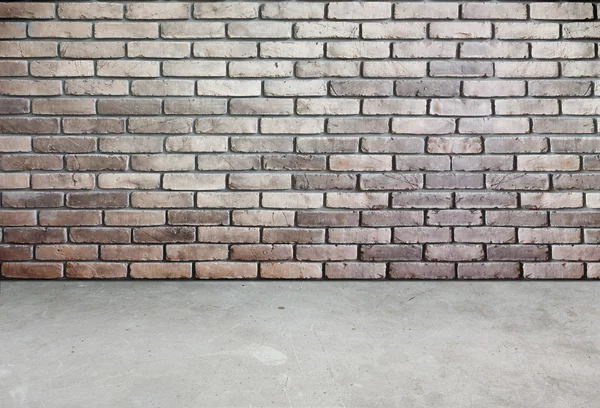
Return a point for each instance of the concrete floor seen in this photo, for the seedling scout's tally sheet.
(299, 344)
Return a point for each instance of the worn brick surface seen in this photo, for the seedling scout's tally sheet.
(291, 140)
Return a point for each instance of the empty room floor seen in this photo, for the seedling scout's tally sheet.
(299, 344)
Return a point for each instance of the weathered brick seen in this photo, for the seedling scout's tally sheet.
(91, 11)
(421, 270)
(290, 270)
(131, 252)
(454, 252)
(95, 270)
(197, 252)
(355, 270)
(553, 270)
(261, 252)
(160, 270)
(32, 270)
(489, 270)
(226, 270)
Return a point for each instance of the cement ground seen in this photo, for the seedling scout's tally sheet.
(299, 344)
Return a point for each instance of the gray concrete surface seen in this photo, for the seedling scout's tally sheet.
(299, 344)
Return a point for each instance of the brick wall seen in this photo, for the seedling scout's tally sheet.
(284, 139)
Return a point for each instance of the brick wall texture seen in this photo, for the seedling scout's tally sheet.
(288, 139)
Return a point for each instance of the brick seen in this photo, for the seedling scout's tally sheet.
(63, 181)
(357, 125)
(31, 162)
(10, 218)
(422, 234)
(161, 270)
(100, 235)
(563, 50)
(198, 217)
(12, 30)
(437, 11)
(494, 11)
(493, 88)
(226, 270)
(494, 50)
(95, 270)
(161, 200)
(192, 30)
(28, 125)
(131, 252)
(195, 107)
(428, 49)
(194, 68)
(293, 11)
(354, 49)
(517, 252)
(486, 200)
(30, 199)
(516, 218)
(326, 29)
(64, 144)
(12, 68)
(562, 11)
(91, 11)
(241, 49)
(35, 235)
(226, 125)
(359, 11)
(229, 162)
(29, 49)
(134, 218)
(261, 106)
(261, 252)
(163, 87)
(328, 218)
(9, 144)
(527, 31)
(356, 200)
(292, 200)
(324, 181)
(489, 270)
(454, 181)
(32, 270)
(422, 163)
(60, 30)
(575, 252)
(454, 252)
(97, 200)
(164, 234)
(526, 69)
(422, 200)
(126, 30)
(517, 181)
(293, 235)
(17, 87)
(96, 87)
(286, 49)
(12, 181)
(260, 181)
(66, 252)
(317, 69)
(16, 253)
(259, 30)
(153, 11)
(269, 218)
(355, 270)
(394, 30)
(154, 49)
(482, 163)
(391, 252)
(460, 30)
(138, 181)
(394, 69)
(228, 234)
(267, 69)
(360, 235)
(507, 144)
(73, 106)
(493, 125)
(421, 270)
(454, 217)
(468, 69)
(326, 252)
(553, 270)
(93, 125)
(386, 181)
(549, 235)
(580, 30)
(290, 270)
(229, 10)
(501, 235)
(526, 107)
(197, 252)
(196, 182)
